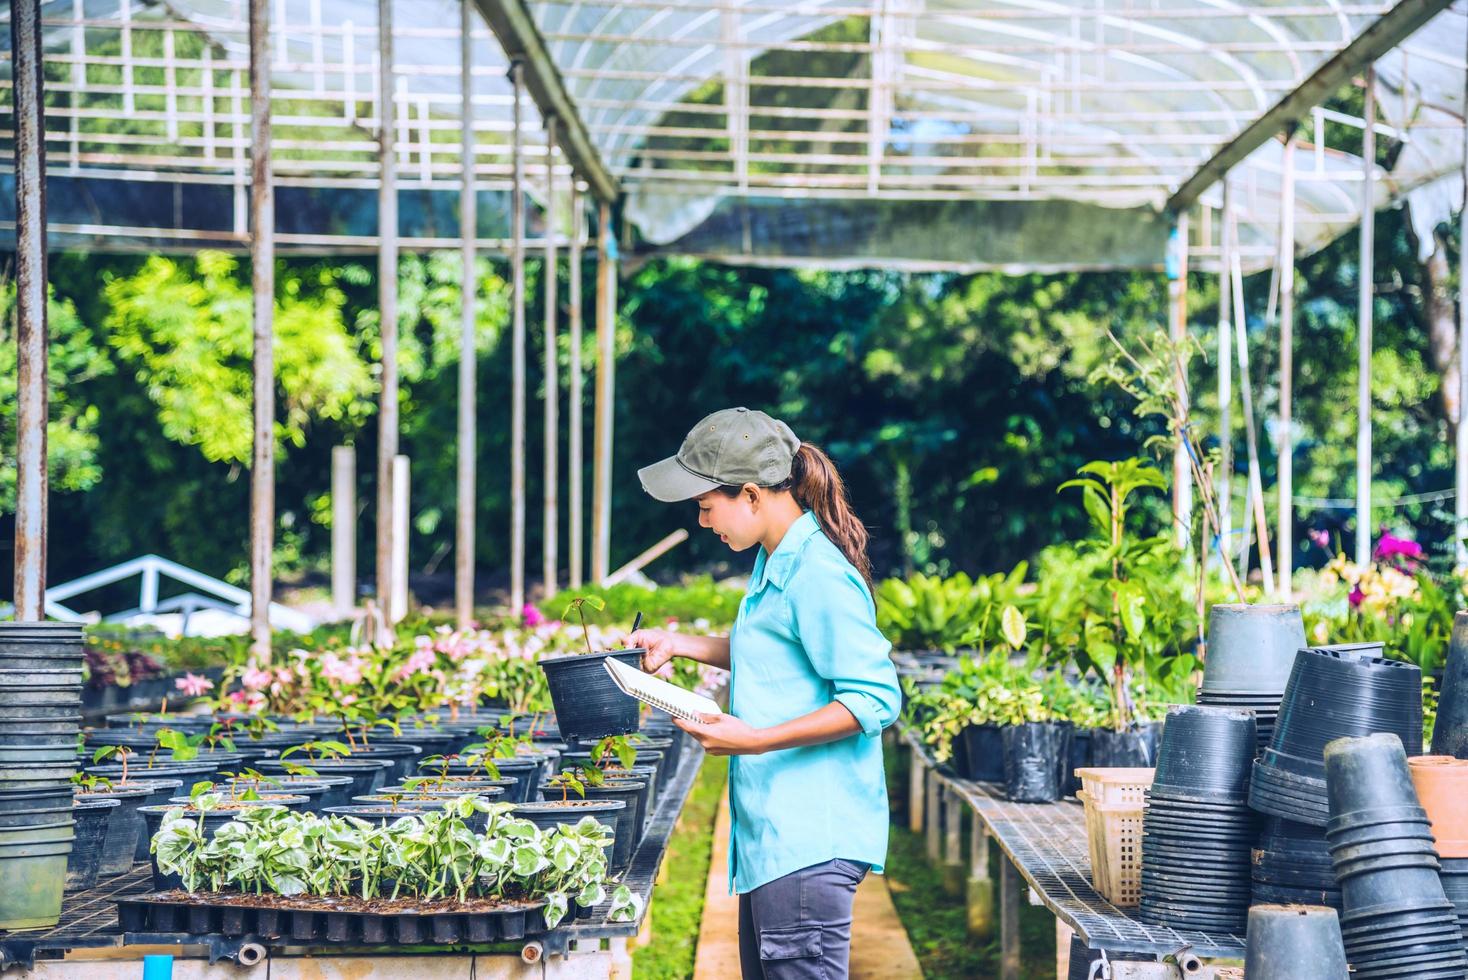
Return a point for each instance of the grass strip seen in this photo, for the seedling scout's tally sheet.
(677, 903)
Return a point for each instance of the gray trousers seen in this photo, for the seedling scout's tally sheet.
(799, 927)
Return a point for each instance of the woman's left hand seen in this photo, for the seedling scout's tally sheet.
(723, 734)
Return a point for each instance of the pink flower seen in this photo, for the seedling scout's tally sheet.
(194, 685)
(347, 671)
(256, 679)
(421, 660)
(1319, 537)
(533, 617)
(1391, 548)
(1356, 597)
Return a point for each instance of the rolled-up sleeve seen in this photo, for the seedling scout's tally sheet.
(837, 625)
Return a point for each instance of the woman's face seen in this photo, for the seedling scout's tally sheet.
(735, 520)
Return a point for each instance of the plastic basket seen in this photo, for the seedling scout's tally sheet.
(1114, 839)
(1116, 785)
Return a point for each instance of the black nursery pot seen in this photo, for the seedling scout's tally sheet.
(1077, 756)
(588, 704)
(1206, 753)
(1032, 754)
(626, 822)
(367, 773)
(547, 815)
(89, 841)
(984, 746)
(1450, 733)
(1135, 748)
(124, 826)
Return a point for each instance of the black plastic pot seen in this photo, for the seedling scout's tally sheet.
(366, 773)
(427, 800)
(984, 748)
(1367, 781)
(1450, 731)
(627, 822)
(88, 842)
(1295, 943)
(1032, 754)
(588, 703)
(386, 813)
(1334, 692)
(1206, 753)
(641, 774)
(1077, 756)
(525, 771)
(313, 790)
(1251, 648)
(546, 815)
(124, 827)
(1132, 749)
(401, 756)
(645, 757)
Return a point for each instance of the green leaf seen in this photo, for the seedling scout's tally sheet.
(1013, 626)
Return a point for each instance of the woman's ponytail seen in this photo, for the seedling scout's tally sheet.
(818, 488)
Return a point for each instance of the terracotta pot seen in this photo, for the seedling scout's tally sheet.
(1442, 789)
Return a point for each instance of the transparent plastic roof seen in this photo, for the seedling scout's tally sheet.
(938, 134)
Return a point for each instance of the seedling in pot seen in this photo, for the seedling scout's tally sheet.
(575, 779)
(578, 605)
(119, 752)
(622, 748)
(86, 783)
(181, 747)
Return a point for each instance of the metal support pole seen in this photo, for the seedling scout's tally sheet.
(980, 885)
(551, 502)
(1286, 478)
(954, 877)
(343, 530)
(933, 826)
(574, 540)
(917, 796)
(262, 286)
(1363, 326)
(1251, 441)
(1011, 889)
(398, 605)
(32, 395)
(468, 312)
(1224, 477)
(517, 349)
(1177, 323)
(606, 367)
(1460, 469)
(387, 302)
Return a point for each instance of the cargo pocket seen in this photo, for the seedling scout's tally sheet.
(794, 952)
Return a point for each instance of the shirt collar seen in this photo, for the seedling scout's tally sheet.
(776, 568)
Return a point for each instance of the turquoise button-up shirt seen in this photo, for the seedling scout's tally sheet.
(806, 635)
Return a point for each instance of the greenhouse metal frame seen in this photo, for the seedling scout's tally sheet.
(912, 134)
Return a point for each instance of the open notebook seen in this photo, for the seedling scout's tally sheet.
(659, 693)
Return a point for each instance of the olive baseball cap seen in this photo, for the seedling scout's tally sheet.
(726, 449)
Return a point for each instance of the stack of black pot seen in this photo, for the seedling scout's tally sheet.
(1450, 737)
(40, 712)
(1333, 692)
(1292, 866)
(1396, 920)
(1251, 650)
(1198, 830)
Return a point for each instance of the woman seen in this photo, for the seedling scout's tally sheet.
(811, 688)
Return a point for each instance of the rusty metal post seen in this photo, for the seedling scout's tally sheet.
(606, 386)
(517, 345)
(551, 502)
(387, 303)
(262, 287)
(32, 402)
(468, 287)
(574, 540)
